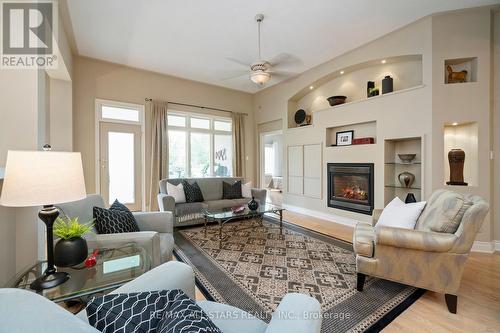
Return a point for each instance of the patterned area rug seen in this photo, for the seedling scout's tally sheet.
(256, 267)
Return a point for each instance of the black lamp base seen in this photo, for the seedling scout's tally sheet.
(49, 280)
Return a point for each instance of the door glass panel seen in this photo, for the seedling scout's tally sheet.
(222, 125)
(200, 155)
(200, 123)
(223, 157)
(177, 154)
(112, 112)
(121, 167)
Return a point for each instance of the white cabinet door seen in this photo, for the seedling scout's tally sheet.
(296, 161)
(313, 162)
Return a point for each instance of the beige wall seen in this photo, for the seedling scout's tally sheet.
(421, 112)
(97, 79)
(496, 124)
(401, 115)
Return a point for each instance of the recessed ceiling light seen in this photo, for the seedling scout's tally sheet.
(454, 124)
(341, 72)
(383, 61)
(311, 87)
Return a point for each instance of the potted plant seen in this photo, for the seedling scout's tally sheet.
(71, 249)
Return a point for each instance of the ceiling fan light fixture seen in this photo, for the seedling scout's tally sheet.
(260, 77)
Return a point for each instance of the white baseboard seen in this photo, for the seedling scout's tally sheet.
(320, 215)
(486, 247)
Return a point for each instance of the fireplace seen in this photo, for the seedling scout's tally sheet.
(350, 187)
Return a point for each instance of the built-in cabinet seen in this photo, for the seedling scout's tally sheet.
(305, 170)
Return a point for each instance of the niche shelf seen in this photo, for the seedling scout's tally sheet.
(394, 166)
(461, 64)
(463, 136)
(361, 130)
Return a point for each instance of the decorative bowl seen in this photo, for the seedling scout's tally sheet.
(238, 209)
(407, 158)
(336, 100)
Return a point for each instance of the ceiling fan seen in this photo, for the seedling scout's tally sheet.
(262, 70)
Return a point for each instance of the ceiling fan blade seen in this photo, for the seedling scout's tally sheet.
(234, 75)
(282, 74)
(239, 62)
(285, 59)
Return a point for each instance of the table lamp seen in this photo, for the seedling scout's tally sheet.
(43, 178)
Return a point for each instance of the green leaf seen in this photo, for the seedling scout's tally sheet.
(70, 228)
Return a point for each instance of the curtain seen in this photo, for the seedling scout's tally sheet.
(238, 145)
(159, 149)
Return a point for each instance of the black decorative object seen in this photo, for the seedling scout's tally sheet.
(336, 100)
(70, 252)
(50, 278)
(300, 116)
(369, 86)
(253, 205)
(387, 84)
(456, 158)
(410, 198)
(231, 191)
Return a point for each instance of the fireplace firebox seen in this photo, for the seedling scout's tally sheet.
(350, 187)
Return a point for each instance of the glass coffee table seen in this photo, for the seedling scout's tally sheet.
(224, 216)
(114, 267)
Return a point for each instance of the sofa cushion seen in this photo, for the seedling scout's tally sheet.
(444, 212)
(211, 188)
(364, 239)
(231, 191)
(192, 192)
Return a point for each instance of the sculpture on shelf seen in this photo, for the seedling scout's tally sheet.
(387, 84)
(406, 179)
(369, 86)
(456, 158)
(456, 77)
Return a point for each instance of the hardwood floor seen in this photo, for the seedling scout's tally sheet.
(478, 301)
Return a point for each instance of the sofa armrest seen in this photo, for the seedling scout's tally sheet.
(297, 313)
(415, 239)
(149, 240)
(259, 194)
(161, 222)
(375, 216)
(166, 203)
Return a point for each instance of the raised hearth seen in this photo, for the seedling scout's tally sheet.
(350, 187)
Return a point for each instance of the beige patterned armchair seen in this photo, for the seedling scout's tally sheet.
(433, 255)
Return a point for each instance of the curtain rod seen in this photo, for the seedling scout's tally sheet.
(199, 106)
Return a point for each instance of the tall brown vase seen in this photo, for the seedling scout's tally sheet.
(456, 158)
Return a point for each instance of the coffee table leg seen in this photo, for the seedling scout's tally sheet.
(205, 225)
(220, 234)
(281, 222)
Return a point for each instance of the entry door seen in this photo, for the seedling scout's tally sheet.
(120, 164)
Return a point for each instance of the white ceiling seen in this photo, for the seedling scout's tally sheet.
(193, 38)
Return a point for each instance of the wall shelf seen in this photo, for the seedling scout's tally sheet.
(404, 188)
(361, 130)
(462, 64)
(399, 163)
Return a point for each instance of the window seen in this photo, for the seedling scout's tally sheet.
(119, 113)
(199, 146)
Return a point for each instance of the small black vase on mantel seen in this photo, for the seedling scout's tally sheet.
(253, 205)
(387, 85)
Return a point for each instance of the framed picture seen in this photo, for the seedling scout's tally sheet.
(345, 138)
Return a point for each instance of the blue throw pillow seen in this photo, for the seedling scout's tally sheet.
(150, 311)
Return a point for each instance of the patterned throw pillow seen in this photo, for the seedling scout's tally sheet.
(151, 311)
(231, 191)
(184, 315)
(192, 192)
(117, 219)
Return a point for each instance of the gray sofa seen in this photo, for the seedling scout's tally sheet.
(185, 214)
(155, 229)
(297, 313)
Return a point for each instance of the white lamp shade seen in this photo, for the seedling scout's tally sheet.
(37, 178)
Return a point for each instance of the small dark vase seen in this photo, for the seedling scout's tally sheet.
(369, 85)
(410, 198)
(387, 84)
(70, 252)
(252, 204)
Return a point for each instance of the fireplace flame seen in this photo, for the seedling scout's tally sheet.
(354, 192)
